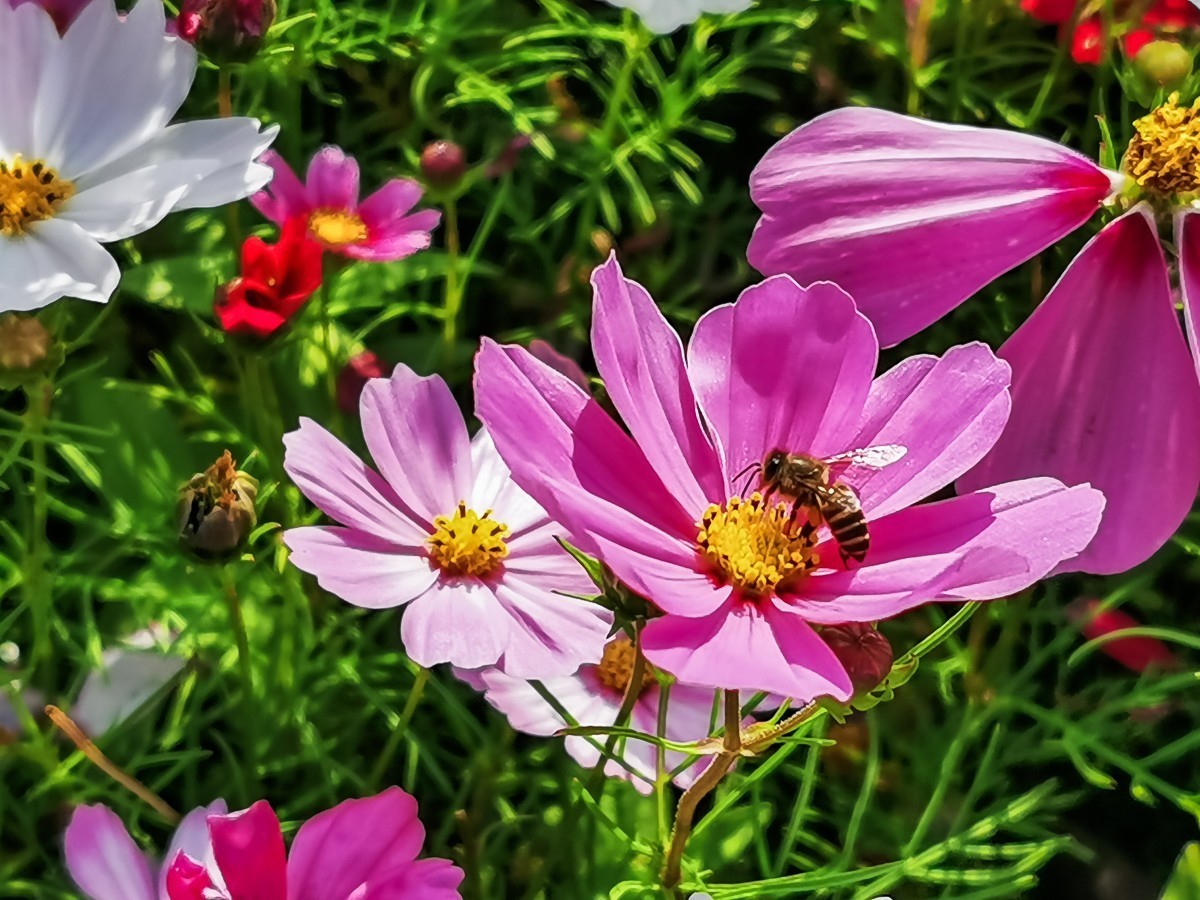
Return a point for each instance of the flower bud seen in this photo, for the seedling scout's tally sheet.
(443, 163)
(216, 509)
(354, 377)
(1137, 653)
(225, 30)
(1164, 63)
(865, 654)
(27, 350)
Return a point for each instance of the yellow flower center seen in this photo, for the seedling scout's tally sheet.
(616, 666)
(756, 545)
(337, 227)
(29, 192)
(467, 543)
(1164, 155)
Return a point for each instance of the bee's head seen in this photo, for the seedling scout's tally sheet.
(773, 464)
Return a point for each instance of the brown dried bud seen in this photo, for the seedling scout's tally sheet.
(216, 509)
(862, 650)
(443, 163)
(26, 349)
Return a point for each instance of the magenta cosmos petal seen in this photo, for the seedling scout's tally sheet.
(248, 847)
(332, 180)
(946, 412)
(417, 438)
(1187, 243)
(342, 487)
(355, 843)
(747, 646)
(103, 859)
(425, 879)
(640, 357)
(912, 217)
(785, 367)
(362, 569)
(1105, 391)
(976, 547)
(390, 241)
(192, 838)
(284, 197)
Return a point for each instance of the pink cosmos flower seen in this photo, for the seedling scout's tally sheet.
(106, 864)
(913, 217)
(593, 696)
(783, 367)
(445, 532)
(63, 12)
(380, 229)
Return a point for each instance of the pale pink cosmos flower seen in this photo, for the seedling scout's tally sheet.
(593, 696)
(360, 848)
(784, 367)
(381, 228)
(913, 217)
(106, 864)
(446, 533)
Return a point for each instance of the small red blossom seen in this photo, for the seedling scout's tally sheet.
(1088, 39)
(274, 284)
(1135, 653)
(354, 377)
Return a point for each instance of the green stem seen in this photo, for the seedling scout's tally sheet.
(410, 707)
(632, 691)
(35, 587)
(245, 667)
(325, 316)
(454, 290)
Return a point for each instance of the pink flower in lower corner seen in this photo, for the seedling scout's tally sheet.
(739, 583)
(106, 864)
(593, 696)
(381, 228)
(913, 217)
(444, 532)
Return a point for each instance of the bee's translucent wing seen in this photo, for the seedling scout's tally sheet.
(869, 457)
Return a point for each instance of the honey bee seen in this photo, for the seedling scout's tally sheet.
(815, 483)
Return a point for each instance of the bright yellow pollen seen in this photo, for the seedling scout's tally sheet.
(467, 543)
(1164, 155)
(756, 545)
(337, 227)
(29, 192)
(616, 665)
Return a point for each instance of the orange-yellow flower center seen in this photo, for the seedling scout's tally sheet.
(29, 192)
(1164, 155)
(756, 545)
(467, 543)
(616, 666)
(337, 227)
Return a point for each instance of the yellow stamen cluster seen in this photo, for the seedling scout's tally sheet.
(337, 227)
(29, 192)
(1164, 155)
(467, 543)
(755, 544)
(616, 666)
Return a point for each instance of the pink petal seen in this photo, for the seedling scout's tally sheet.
(417, 437)
(391, 203)
(185, 878)
(284, 198)
(751, 646)
(248, 847)
(784, 367)
(1187, 245)
(976, 547)
(396, 240)
(360, 568)
(352, 844)
(947, 412)
(332, 180)
(493, 488)
(103, 859)
(341, 486)
(459, 622)
(912, 217)
(549, 634)
(425, 879)
(1105, 391)
(191, 838)
(640, 358)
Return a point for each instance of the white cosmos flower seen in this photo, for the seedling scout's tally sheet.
(86, 153)
(664, 16)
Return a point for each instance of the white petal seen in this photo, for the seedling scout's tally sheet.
(27, 40)
(56, 258)
(111, 85)
(236, 175)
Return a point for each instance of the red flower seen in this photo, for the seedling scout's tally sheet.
(274, 284)
(354, 377)
(1053, 11)
(1136, 653)
(1088, 38)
